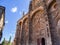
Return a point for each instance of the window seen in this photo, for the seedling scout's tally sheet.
(43, 41)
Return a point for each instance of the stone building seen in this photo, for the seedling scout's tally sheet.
(41, 25)
(2, 19)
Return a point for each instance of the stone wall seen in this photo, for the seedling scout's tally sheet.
(39, 26)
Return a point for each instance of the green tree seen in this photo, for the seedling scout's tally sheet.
(3, 42)
(9, 42)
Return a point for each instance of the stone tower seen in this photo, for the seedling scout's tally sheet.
(41, 25)
(2, 19)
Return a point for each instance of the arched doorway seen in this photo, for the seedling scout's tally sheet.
(42, 41)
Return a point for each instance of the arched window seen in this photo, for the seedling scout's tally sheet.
(43, 41)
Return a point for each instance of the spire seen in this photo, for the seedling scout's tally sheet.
(23, 13)
(30, 6)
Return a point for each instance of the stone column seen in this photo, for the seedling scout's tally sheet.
(30, 29)
(53, 30)
(23, 35)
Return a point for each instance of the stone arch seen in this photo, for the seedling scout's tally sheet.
(20, 23)
(40, 11)
(23, 34)
(25, 23)
(34, 21)
(51, 4)
(37, 10)
(25, 28)
(38, 16)
(25, 18)
(52, 10)
(35, 25)
(53, 17)
(20, 31)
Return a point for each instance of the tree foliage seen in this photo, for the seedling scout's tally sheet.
(4, 42)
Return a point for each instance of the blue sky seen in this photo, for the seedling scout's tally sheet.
(13, 12)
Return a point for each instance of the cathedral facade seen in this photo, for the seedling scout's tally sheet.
(41, 25)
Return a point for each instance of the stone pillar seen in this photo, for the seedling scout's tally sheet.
(53, 30)
(30, 30)
(48, 35)
(17, 35)
(23, 35)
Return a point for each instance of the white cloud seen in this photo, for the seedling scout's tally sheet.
(6, 22)
(14, 9)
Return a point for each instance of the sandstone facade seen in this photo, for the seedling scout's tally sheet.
(41, 25)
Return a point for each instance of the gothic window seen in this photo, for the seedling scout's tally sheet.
(36, 25)
(43, 41)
